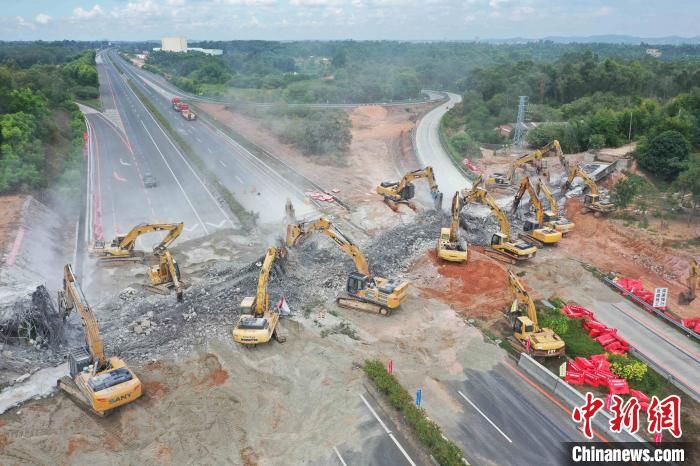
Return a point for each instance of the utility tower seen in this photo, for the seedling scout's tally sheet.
(520, 127)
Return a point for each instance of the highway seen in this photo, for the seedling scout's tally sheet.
(662, 345)
(125, 144)
(258, 186)
(431, 152)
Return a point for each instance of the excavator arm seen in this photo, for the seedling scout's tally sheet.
(521, 295)
(525, 185)
(72, 297)
(261, 297)
(174, 273)
(129, 240)
(402, 191)
(480, 195)
(295, 232)
(542, 186)
(580, 172)
(456, 209)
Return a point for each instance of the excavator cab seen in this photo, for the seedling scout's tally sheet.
(357, 282)
(408, 192)
(590, 199)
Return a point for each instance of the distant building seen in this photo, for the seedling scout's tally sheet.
(173, 44)
(207, 51)
(656, 53)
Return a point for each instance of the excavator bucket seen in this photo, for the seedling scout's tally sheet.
(294, 235)
(437, 199)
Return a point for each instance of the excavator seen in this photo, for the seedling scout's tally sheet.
(166, 273)
(535, 232)
(502, 247)
(122, 247)
(687, 297)
(365, 292)
(543, 342)
(506, 179)
(97, 383)
(552, 218)
(401, 192)
(449, 246)
(258, 323)
(591, 200)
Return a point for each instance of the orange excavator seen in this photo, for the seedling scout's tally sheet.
(97, 383)
(535, 232)
(688, 296)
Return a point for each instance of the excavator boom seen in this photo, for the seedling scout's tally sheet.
(538, 232)
(591, 201)
(688, 296)
(402, 191)
(506, 179)
(122, 247)
(72, 297)
(449, 247)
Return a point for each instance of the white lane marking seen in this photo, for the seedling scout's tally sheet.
(221, 162)
(239, 179)
(220, 224)
(337, 453)
(181, 156)
(210, 151)
(192, 228)
(198, 140)
(484, 415)
(408, 458)
(175, 177)
(126, 164)
(375, 415)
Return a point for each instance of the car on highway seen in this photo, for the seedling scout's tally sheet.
(149, 180)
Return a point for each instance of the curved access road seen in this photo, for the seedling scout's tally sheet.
(431, 152)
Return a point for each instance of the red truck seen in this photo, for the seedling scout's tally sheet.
(177, 104)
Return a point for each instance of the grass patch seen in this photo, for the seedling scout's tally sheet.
(456, 157)
(94, 103)
(428, 432)
(578, 343)
(247, 218)
(342, 328)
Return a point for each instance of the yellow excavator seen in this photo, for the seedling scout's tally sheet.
(502, 247)
(506, 179)
(258, 323)
(365, 292)
(552, 219)
(535, 232)
(540, 342)
(688, 296)
(591, 200)
(165, 275)
(449, 246)
(401, 192)
(122, 247)
(96, 382)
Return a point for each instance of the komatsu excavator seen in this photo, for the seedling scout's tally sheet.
(591, 200)
(122, 247)
(506, 179)
(552, 218)
(96, 382)
(535, 232)
(401, 192)
(540, 342)
(258, 323)
(449, 246)
(364, 291)
(502, 247)
(688, 296)
(165, 274)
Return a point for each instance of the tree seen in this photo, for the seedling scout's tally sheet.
(464, 144)
(665, 156)
(688, 181)
(626, 190)
(596, 142)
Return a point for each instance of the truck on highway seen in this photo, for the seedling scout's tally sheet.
(177, 103)
(186, 113)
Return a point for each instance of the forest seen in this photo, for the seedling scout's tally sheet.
(41, 128)
(588, 102)
(358, 72)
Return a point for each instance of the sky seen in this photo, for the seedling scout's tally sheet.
(343, 19)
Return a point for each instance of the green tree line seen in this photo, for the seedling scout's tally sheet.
(40, 127)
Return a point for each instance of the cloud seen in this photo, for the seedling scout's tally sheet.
(23, 23)
(41, 18)
(602, 11)
(313, 3)
(469, 18)
(80, 13)
(251, 2)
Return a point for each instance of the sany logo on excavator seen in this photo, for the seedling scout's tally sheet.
(117, 399)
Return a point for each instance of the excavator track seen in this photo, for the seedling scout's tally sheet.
(531, 240)
(70, 388)
(106, 260)
(349, 302)
(501, 256)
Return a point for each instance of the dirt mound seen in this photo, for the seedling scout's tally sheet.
(477, 289)
(373, 112)
(633, 252)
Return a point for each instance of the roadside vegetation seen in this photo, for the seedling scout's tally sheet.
(428, 432)
(41, 128)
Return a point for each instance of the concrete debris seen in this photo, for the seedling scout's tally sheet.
(127, 293)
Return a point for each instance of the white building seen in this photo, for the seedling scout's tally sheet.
(173, 44)
(207, 51)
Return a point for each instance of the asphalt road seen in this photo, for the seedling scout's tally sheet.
(675, 353)
(126, 144)
(256, 185)
(431, 152)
